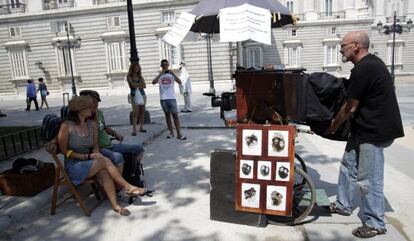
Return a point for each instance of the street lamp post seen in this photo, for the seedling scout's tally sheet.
(134, 53)
(394, 28)
(70, 61)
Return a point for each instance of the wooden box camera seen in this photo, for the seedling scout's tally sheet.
(270, 96)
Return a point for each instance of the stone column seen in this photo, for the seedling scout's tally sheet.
(410, 10)
(379, 12)
(309, 10)
(350, 10)
(34, 6)
(84, 3)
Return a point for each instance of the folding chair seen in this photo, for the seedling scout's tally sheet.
(65, 180)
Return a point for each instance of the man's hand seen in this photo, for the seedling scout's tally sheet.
(96, 155)
(332, 129)
(119, 137)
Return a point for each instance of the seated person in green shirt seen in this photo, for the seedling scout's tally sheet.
(110, 150)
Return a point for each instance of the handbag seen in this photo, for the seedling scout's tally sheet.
(47, 92)
(139, 99)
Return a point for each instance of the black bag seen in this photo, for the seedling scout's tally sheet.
(133, 171)
(325, 96)
(50, 127)
(64, 112)
(23, 165)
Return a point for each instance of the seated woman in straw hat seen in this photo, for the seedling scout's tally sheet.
(78, 140)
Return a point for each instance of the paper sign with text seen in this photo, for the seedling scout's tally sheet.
(245, 22)
(180, 29)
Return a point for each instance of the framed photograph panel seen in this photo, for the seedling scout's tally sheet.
(250, 194)
(278, 143)
(282, 171)
(276, 198)
(252, 142)
(264, 170)
(246, 169)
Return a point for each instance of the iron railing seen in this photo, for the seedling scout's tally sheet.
(55, 4)
(12, 8)
(331, 15)
(20, 142)
(400, 19)
(97, 2)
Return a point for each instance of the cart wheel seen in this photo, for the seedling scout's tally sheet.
(300, 163)
(303, 200)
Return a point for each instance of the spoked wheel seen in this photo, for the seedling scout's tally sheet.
(304, 197)
(300, 163)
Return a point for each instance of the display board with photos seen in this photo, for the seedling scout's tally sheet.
(264, 169)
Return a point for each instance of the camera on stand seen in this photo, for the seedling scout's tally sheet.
(226, 101)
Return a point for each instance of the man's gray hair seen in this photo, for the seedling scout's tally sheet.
(361, 37)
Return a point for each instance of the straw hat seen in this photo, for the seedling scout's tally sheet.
(79, 103)
(91, 93)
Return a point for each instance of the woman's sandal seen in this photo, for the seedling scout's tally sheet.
(133, 134)
(170, 136)
(183, 138)
(367, 232)
(142, 130)
(123, 211)
(146, 192)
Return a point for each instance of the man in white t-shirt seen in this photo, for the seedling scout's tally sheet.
(166, 80)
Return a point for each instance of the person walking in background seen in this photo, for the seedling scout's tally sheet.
(31, 94)
(166, 80)
(186, 86)
(43, 93)
(375, 123)
(138, 98)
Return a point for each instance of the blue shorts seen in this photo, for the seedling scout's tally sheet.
(78, 170)
(116, 151)
(169, 106)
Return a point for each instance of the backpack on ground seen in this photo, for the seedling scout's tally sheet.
(64, 112)
(133, 172)
(50, 127)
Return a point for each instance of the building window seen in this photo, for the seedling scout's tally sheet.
(398, 6)
(327, 7)
(332, 31)
(170, 53)
(293, 56)
(63, 61)
(331, 55)
(289, 6)
(113, 22)
(18, 63)
(398, 51)
(168, 17)
(59, 26)
(115, 55)
(15, 32)
(254, 57)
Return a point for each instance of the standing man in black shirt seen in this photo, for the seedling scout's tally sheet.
(375, 123)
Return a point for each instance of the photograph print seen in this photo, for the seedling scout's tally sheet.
(252, 142)
(276, 198)
(282, 171)
(278, 143)
(246, 169)
(264, 170)
(250, 195)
